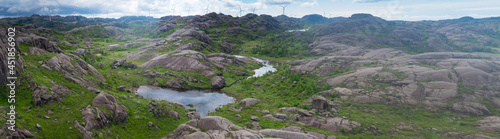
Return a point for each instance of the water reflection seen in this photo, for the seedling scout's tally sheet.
(202, 101)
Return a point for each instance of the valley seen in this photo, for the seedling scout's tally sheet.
(254, 76)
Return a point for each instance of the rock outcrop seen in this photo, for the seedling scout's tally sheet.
(470, 108)
(218, 127)
(4, 53)
(40, 42)
(490, 124)
(74, 69)
(43, 95)
(19, 133)
(285, 134)
(390, 77)
(105, 110)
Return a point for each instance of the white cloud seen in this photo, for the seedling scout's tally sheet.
(368, 1)
(309, 4)
(481, 9)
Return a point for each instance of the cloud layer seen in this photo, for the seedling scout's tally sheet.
(387, 9)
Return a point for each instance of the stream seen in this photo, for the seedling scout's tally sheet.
(203, 102)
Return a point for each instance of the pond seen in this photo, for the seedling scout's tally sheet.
(203, 102)
(299, 30)
(262, 70)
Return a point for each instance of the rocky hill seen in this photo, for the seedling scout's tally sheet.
(367, 31)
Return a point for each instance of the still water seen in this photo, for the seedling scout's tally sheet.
(203, 102)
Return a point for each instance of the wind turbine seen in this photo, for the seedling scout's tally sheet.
(50, 17)
(240, 9)
(253, 10)
(17, 10)
(284, 6)
(173, 11)
(189, 10)
(208, 10)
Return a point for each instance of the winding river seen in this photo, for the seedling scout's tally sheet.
(203, 102)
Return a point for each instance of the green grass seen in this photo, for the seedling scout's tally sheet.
(58, 127)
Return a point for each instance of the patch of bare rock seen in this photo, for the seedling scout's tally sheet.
(218, 127)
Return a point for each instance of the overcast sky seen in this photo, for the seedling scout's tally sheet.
(409, 10)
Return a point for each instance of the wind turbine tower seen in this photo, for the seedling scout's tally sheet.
(240, 10)
(17, 10)
(208, 10)
(284, 6)
(50, 17)
(189, 10)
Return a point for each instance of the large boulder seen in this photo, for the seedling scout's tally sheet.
(105, 110)
(118, 111)
(19, 133)
(96, 73)
(333, 124)
(40, 42)
(248, 102)
(193, 115)
(213, 123)
(490, 124)
(475, 77)
(286, 134)
(218, 127)
(42, 95)
(218, 82)
(470, 108)
(496, 102)
(215, 127)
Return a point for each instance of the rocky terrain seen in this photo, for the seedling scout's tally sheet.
(356, 77)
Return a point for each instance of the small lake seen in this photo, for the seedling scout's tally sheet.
(262, 70)
(202, 101)
(299, 30)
